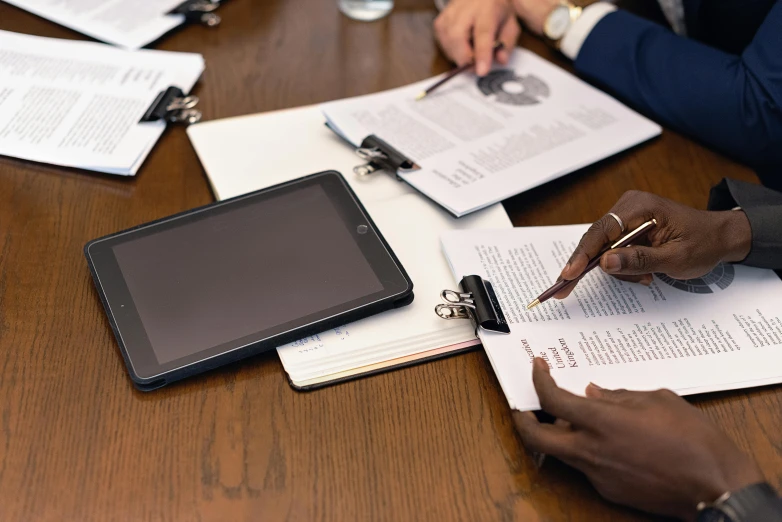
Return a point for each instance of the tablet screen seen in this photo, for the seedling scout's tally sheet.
(232, 274)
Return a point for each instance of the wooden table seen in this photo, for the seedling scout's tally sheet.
(433, 442)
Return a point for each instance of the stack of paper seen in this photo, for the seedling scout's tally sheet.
(482, 140)
(248, 153)
(131, 25)
(718, 332)
(78, 104)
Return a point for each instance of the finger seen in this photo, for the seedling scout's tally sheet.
(643, 260)
(484, 36)
(601, 232)
(509, 36)
(549, 439)
(558, 402)
(453, 35)
(566, 291)
(633, 208)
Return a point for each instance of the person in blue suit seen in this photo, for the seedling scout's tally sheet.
(715, 75)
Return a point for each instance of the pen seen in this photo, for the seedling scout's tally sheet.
(454, 72)
(620, 243)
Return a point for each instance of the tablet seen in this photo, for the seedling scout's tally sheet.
(213, 285)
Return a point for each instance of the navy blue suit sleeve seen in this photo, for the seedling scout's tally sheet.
(731, 103)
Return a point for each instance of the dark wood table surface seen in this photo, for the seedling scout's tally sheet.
(432, 442)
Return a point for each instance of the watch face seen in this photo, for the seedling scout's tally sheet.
(557, 22)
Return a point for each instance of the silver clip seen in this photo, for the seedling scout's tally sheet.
(204, 6)
(178, 104)
(364, 170)
(211, 19)
(456, 305)
(188, 116)
(447, 311)
(182, 110)
(370, 154)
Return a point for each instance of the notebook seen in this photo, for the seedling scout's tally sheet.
(477, 141)
(244, 154)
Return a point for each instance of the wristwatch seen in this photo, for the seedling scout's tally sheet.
(744, 505)
(559, 20)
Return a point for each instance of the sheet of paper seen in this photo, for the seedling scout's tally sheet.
(722, 331)
(482, 140)
(78, 104)
(248, 153)
(128, 24)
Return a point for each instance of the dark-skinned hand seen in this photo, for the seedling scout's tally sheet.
(686, 242)
(648, 450)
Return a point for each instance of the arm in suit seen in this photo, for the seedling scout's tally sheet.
(763, 208)
(730, 102)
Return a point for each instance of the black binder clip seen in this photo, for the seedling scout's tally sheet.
(173, 106)
(382, 156)
(477, 302)
(199, 11)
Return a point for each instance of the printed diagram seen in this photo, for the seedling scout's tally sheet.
(718, 279)
(505, 87)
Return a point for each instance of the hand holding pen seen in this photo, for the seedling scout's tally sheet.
(685, 242)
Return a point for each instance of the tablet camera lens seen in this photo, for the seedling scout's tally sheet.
(362, 229)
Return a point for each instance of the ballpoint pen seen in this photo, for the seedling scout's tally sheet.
(620, 243)
(454, 72)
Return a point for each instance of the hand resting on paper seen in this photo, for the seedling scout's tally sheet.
(686, 243)
(648, 450)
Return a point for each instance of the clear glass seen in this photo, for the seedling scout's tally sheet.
(366, 10)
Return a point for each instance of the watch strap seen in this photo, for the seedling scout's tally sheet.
(753, 503)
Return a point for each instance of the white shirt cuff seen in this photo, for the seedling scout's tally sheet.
(577, 34)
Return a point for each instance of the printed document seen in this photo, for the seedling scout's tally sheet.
(721, 331)
(128, 24)
(481, 140)
(78, 104)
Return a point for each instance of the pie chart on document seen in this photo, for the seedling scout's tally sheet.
(717, 280)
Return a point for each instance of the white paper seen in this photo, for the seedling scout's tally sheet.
(620, 335)
(251, 152)
(475, 149)
(129, 24)
(78, 104)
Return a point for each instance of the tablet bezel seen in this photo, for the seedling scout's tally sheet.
(142, 362)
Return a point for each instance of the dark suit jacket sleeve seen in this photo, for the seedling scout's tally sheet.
(763, 208)
(731, 103)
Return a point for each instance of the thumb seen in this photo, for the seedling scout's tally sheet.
(640, 260)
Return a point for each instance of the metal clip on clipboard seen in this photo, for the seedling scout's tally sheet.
(382, 156)
(477, 302)
(199, 11)
(173, 106)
